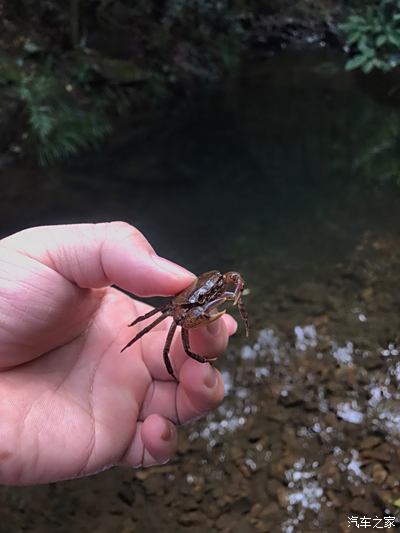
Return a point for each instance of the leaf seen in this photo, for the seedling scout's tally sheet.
(366, 49)
(381, 40)
(394, 39)
(368, 66)
(353, 38)
(32, 48)
(356, 62)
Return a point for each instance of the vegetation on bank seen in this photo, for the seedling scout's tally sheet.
(68, 70)
(373, 35)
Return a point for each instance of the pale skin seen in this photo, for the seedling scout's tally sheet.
(70, 403)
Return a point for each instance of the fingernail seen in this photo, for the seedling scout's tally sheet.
(170, 267)
(214, 328)
(166, 434)
(211, 378)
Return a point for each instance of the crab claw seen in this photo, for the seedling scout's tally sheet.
(216, 316)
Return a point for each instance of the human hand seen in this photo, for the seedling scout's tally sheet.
(71, 404)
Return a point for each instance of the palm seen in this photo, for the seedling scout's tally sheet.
(86, 387)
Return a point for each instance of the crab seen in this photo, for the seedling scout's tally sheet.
(195, 306)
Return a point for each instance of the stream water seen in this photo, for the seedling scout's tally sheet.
(283, 176)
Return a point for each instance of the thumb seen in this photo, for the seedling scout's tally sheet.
(98, 255)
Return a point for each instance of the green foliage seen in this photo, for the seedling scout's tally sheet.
(210, 34)
(117, 57)
(378, 159)
(374, 34)
(59, 126)
(207, 15)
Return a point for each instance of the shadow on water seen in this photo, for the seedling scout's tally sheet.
(271, 177)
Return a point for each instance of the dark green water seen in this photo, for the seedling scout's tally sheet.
(285, 177)
(272, 173)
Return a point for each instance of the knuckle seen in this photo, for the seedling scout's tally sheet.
(120, 230)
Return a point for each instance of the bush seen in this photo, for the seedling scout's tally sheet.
(59, 126)
(374, 34)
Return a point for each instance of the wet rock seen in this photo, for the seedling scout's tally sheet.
(242, 505)
(280, 465)
(241, 526)
(237, 454)
(343, 525)
(392, 481)
(292, 397)
(144, 474)
(277, 414)
(329, 474)
(261, 526)
(378, 474)
(189, 505)
(367, 293)
(128, 526)
(193, 529)
(357, 490)
(289, 436)
(218, 492)
(333, 303)
(194, 518)
(255, 510)
(334, 498)
(382, 453)
(308, 293)
(245, 471)
(363, 506)
(213, 511)
(255, 431)
(355, 275)
(332, 420)
(126, 497)
(153, 485)
(383, 497)
(225, 521)
(271, 510)
(347, 375)
(373, 362)
(225, 502)
(183, 446)
(272, 486)
(282, 496)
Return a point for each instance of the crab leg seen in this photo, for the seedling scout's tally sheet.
(167, 347)
(237, 280)
(244, 316)
(149, 314)
(186, 346)
(146, 330)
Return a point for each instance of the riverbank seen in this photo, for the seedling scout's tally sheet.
(118, 63)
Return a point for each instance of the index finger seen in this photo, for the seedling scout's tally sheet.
(99, 255)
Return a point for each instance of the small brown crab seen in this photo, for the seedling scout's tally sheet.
(195, 306)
